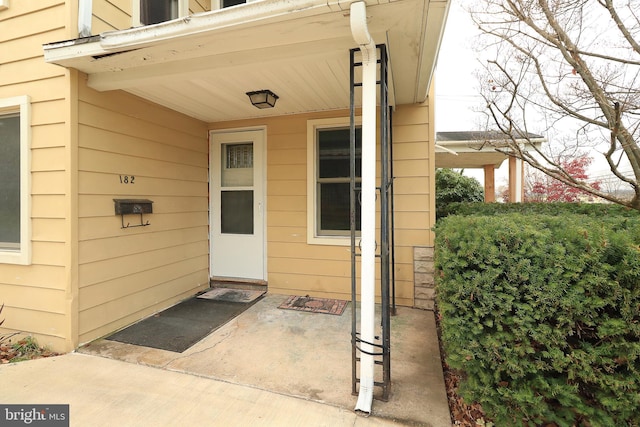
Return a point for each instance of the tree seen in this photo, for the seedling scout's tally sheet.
(570, 67)
(452, 186)
(543, 188)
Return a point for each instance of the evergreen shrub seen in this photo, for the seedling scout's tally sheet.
(541, 313)
(559, 208)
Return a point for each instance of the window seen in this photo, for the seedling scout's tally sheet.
(329, 194)
(229, 3)
(149, 12)
(15, 170)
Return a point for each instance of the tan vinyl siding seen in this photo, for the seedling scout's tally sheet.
(125, 274)
(197, 6)
(414, 197)
(109, 15)
(296, 267)
(36, 295)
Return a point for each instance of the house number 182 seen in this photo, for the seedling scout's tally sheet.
(127, 179)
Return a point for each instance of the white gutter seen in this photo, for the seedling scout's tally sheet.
(367, 46)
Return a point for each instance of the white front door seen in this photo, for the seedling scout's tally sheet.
(237, 205)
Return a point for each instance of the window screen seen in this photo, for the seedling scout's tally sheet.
(333, 198)
(156, 11)
(10, 181)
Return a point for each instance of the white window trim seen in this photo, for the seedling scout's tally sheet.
(4, 4)
(312, 128)
(183, 10)
(22, 105)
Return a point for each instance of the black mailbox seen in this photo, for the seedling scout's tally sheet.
(133, 206)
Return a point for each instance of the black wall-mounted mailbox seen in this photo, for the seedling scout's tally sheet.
(133, 206)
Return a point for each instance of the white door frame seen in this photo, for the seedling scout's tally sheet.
(262, 211)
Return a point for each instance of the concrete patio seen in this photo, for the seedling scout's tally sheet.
(303, 357)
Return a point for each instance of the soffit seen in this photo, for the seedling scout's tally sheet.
(469, 160)
(457, 150)
(204, 70)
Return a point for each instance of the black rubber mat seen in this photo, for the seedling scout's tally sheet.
(181, 326)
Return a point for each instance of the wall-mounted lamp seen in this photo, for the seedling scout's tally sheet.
(263, 98)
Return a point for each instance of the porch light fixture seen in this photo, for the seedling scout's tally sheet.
(263, 98)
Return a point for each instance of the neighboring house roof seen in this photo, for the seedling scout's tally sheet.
(475, 149)
(202, 65)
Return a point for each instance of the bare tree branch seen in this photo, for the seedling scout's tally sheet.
(575, 63)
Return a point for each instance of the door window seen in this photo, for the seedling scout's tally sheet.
(236, 210)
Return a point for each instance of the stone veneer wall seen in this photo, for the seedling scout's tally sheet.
(423, 275)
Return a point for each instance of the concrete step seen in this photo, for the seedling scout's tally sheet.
(232, 284)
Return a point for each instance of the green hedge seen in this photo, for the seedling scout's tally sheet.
(599, 210)
(542, 314)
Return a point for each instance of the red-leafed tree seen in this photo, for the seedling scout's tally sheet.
(543, 188)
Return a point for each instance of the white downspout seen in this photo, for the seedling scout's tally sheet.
(367, 46)
(84, 18)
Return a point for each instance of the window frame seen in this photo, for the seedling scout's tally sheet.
(313, 126)
(183, 10)
(21, 105)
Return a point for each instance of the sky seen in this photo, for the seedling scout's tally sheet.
(457, 94)
(456, 84)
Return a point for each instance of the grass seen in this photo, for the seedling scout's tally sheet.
(25, 348)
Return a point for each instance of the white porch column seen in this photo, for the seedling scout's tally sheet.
(516, 180)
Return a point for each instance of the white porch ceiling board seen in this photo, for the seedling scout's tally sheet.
(118, 77)
(202, 66)
(217, 96)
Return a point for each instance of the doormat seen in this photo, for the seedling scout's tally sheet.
(181, 326)
(314, 305)
(231, 295)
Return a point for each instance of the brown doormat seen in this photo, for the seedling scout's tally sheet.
(314, 305)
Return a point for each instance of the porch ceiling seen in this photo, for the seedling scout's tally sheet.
(204, 64)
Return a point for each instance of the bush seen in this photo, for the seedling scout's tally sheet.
(590, 209)
(542, 315)
(452, 187)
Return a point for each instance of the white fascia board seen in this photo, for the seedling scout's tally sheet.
(431, 37)
(135, 38)
(247, 15)
(58, 52)
(476, 146)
